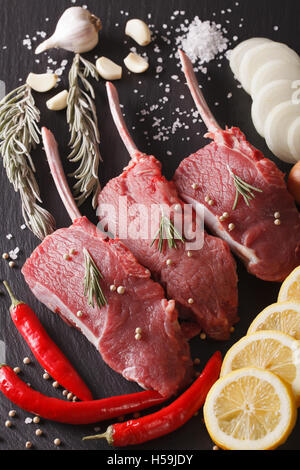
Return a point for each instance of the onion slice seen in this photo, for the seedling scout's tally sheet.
(274, 70)
(294, 139)
(259, 55)
(277, 128)
(267, 98)
(239, 51)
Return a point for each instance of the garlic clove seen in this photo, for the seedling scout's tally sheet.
(42, 82)
(77, 31)
(108, 69)
(135, 63)
(59, 101)
(138, 31)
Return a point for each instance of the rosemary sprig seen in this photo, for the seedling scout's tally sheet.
(83, 125)
(166, 231)
(92, 288)
(19, 134)
(242, 189)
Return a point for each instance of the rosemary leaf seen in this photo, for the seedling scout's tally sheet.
(92, 288)
(167, 231)
(19, 134)
(242, 189)
(84, 133)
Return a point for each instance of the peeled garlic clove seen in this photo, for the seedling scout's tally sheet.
(108, 69)
(42, 82)
(135, 63)
(138, 31)
(59, 101)
(77, 31)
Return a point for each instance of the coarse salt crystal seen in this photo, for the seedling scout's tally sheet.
(27, 43)
(203, 41)
(13, 254)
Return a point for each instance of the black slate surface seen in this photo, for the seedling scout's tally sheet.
(22, 17)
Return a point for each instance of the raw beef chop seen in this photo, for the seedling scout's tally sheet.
(160, 358)
(263, 230)
(202, 281)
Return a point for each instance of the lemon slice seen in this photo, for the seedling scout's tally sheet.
(283, 317)
(249, 409)
(290, 289)
(272, 350)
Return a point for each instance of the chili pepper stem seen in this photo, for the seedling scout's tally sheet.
(108, 435)
(14, 301)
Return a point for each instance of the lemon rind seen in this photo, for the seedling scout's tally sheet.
(276, 437)
(277, 307)
(276, 335)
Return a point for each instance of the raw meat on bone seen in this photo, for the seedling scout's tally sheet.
(265, 234)
(58, 283)
(204, 281)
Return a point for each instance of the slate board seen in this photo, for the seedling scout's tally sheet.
(19, 18)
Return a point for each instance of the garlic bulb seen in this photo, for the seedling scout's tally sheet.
(77, 30)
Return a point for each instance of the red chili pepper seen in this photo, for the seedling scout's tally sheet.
(45, 350)
(168, 419)
(84, 412)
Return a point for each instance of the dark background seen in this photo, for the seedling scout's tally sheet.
(21, 17)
